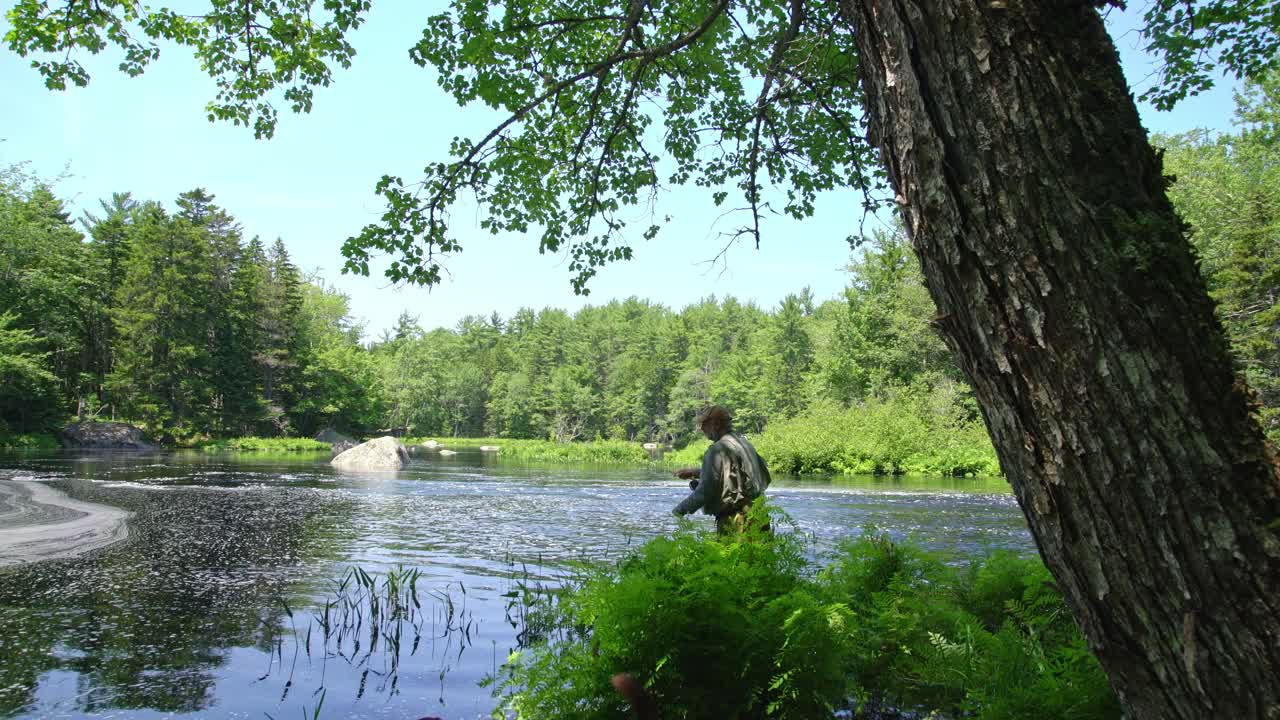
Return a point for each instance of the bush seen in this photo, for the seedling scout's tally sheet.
(745, 627)
(713, 628)
(911, 431)
(29, 441)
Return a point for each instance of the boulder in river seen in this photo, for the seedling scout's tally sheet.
(431, 445)
(384, 453)
(489, 448)
(104, 435)
(447, 453)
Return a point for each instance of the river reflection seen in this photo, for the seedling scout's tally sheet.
(215, 605)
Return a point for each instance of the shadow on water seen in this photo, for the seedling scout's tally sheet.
(223, 601)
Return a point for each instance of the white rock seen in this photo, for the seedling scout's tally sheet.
(431, 444)
(447, 453)
(489, 448)
(384, 453)
(650, 446)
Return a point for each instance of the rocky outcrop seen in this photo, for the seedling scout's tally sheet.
(431, 445)
(384, 453)
(104, 435)
(337, 441)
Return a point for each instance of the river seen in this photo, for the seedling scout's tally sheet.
(213, 606)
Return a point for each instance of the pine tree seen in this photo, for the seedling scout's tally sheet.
(244, 406)
(789, 357)
(108, 250)
(282, 356)
(160, 320)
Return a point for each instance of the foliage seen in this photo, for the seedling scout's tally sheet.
(44, 282)
(1227, 187)
(1197, 40)
(883, 333)
(913, 430)
(170, 319)
(28, 441)
(744, 626)
(267, 445)
(605, 104)
(635, 370)
(26, 387)
(279, 51)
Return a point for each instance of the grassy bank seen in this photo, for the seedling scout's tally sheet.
(875, 438)
(264, 445)
(904, 436)
(907, 435)
(886, 628)
(598, 452)
(29, 441)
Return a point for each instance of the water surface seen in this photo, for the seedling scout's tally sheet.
(188, 616)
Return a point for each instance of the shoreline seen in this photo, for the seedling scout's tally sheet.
(39, 523)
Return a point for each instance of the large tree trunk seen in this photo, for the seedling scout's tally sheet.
(1067, 290)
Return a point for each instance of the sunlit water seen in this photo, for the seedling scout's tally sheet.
(189, 615)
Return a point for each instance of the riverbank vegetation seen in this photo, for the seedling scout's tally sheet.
(180, 321)
(28, 441)
(748, 627)
(589, 452)
(265, 445)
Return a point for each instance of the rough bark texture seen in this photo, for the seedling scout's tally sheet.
(1067, 289)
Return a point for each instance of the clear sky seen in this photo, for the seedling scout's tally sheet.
(313, 184)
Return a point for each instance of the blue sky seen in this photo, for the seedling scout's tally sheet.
(312, 184)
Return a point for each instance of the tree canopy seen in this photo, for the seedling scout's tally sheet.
(605, 103)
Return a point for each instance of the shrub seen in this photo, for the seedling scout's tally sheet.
(911, 431)
(713, 627)
(745, 627)
(28, 441)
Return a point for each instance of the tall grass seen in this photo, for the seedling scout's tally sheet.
(371, 623)
(265, 445)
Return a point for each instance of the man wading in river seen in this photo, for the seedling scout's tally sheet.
(731, 477)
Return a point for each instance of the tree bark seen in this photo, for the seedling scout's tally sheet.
(1069, 293)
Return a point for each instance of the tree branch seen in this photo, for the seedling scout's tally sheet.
(762, 104)
(604, 66)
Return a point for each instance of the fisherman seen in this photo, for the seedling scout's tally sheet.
(732, 475)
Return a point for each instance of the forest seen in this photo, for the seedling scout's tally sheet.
(178, 320)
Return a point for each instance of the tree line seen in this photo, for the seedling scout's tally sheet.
(169, 318)
(173, 319)
(637, 370)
